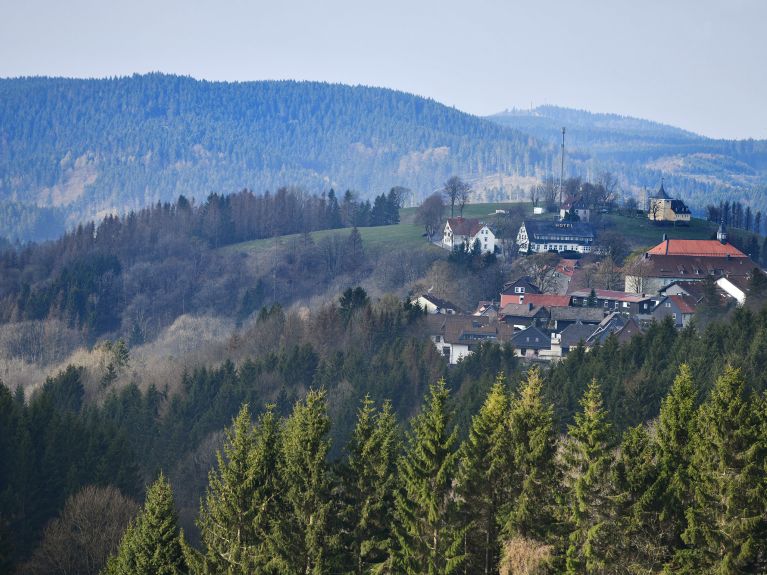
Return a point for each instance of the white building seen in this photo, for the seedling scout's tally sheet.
(468, 231)
(537, 236)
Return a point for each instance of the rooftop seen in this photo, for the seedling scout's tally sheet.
(465, 226)
(612, 294)
(701, 248)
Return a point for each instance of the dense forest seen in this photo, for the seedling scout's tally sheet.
(133, 275)
(627, 459)
(97, 146)
(697, 169)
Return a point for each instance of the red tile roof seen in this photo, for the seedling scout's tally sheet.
(464, 226)
(686, 304)
(704, 248)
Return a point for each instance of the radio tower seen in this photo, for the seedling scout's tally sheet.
(562, 169)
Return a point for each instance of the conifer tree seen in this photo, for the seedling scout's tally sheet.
(532, 437)
(429, 542)
(587, 476)
(239, 508)
(369, 486)
(152, 543)
(635, 529)
(302, 539)
(483, 478)
(727, 522)
(673, 446)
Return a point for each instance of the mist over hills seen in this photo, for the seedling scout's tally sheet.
(73, 150)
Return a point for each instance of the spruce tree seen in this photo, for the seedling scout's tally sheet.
(726, 524)
(634, 529)
(152, 543)
(483, 479)
(239, 507)
(587, 458)
(425, 512)
(673, 446)
(532, 438)
(369, 484)
(302, 539)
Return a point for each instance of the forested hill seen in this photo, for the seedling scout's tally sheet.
(85, 147)
(700, 170)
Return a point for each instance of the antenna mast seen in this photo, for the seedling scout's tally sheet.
(562, 169)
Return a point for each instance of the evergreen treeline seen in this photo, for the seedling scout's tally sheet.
(125, 143)
(51, 447)
(160, 262)
(686, 495)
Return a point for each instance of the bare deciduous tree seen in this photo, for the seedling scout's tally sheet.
(636, 270)
(457, 192)
(542, 269)
(430, 214)
(87, 532)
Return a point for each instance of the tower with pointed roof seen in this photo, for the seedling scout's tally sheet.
(665, 209)
(721, 233)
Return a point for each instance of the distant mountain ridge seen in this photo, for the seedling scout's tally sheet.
(73, 150)
(697, 168)
(89, 147)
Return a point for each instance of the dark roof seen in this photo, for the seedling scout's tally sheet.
(610, 324)
(531, 338)
(468, 329)
(611, 295)
(542, 230)
(576, 202)
(696, 267)
(573, 334)
(522, 310)
(588, 314)
(661, 193)
(678, 207)
(526, 281)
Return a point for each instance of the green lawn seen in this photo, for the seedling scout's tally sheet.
(642, 232)
(639, 232)
(388, 237)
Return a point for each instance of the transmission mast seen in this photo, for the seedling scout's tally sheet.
(562, 168)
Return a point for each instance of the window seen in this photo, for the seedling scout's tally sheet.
(625, 304)
(446, 351)
(438, 338)
(668, 304)
(673, 315)
(519, 290)
(607, 303)
(617, 304)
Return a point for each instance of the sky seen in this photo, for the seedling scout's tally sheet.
(695, 64)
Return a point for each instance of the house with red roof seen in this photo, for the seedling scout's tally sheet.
(468, 231)
(681, 308)
(688, 260)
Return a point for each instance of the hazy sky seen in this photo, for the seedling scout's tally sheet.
(697, 64)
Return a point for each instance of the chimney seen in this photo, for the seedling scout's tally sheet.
(665, 238)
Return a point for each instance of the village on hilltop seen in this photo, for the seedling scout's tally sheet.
(673, 281)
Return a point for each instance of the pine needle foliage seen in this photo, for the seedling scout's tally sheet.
(152, 543)
(483, 480)
(429, 541)
(587, 458)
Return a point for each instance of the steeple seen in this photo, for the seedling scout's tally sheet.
(662, 195)
(721, 233)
